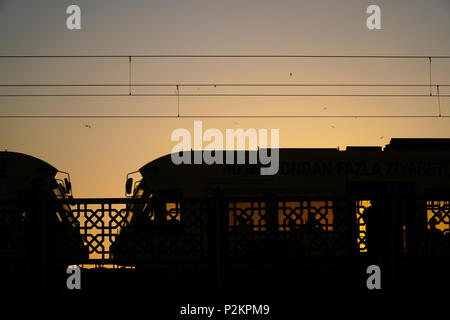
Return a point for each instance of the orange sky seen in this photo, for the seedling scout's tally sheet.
(99, 157)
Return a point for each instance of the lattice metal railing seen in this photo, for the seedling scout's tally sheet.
(436, 237)
(204, 231)
(100, 222)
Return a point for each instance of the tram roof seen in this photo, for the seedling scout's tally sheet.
(20, 162)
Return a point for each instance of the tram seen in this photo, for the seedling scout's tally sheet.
(320, 221)
(39, 235)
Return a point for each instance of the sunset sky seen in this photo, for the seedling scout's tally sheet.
(98, 152)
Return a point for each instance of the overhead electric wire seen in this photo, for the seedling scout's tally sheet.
(210, 116)
(230, 56)
(221, 95)
(178, 86)
(221, 85)
(216, 85)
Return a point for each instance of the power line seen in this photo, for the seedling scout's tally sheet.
(221, 85)
(229, 56)
(439, 101)
(129, 76)
(210, 116)
(221, 95)
(178, 86)
(218, 85)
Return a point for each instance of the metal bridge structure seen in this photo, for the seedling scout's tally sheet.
(221, 243)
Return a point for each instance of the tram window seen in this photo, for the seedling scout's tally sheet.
(59, 217)
(148, 212)
(438, 215)
(297, 214)
(361, 224)
(67, 215)
(57, 192)
(247, 214)
(173, 211)
(139, 193)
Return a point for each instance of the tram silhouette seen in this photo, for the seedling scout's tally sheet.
(316, 225)
(39, 235)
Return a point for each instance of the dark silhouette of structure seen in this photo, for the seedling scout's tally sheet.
(248, 232)
(314, 227)
(39, 236)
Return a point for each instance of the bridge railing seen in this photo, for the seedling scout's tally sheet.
(125, 232)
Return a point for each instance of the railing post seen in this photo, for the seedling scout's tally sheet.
(221, 244)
